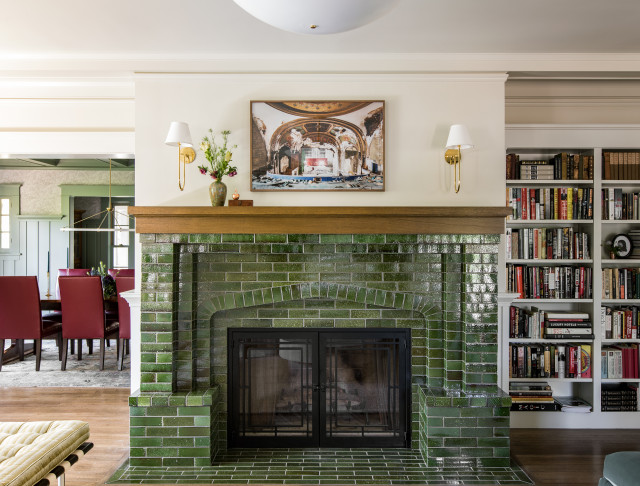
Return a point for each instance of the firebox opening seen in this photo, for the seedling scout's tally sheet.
(319, 387)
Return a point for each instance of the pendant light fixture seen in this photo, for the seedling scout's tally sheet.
(317, 16)
(107, 216)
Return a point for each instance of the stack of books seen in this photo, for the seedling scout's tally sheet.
(550, 360)
(526, 396)
(619, 323)
(621, 165)
(619, 361)
(619, 397)
(567, 325)
(573, 404)
(532, 170)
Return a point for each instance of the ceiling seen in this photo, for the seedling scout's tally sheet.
(66, 162)
(31, 29)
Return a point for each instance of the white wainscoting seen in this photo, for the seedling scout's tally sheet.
(40, 241)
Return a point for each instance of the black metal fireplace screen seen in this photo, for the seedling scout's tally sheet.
(319, 388)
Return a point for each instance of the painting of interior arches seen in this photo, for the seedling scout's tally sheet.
(317, 146)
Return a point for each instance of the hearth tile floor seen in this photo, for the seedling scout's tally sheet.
(320, 466)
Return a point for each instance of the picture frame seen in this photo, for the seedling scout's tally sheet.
(318, 145)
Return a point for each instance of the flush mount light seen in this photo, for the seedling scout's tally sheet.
(317, 16)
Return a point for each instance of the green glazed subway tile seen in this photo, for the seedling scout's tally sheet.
(270, 238)
(299, 238)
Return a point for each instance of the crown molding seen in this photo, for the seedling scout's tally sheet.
(124, 64)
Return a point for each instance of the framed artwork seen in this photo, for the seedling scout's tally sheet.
(317, 146)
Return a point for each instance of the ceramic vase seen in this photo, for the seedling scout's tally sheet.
(218, 192)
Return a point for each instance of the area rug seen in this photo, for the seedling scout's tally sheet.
(78, 373)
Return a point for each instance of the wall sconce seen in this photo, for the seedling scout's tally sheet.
(459, 139)
(180, 136)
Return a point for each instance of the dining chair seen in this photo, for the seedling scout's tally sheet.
(121, 272)
(124, 317)
(69, 272)
(83, 315)
(57, 315)
(21, 317)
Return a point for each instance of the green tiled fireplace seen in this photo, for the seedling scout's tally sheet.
(440, 286)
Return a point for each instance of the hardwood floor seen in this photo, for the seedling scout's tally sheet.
(106, 410)
(550, 457)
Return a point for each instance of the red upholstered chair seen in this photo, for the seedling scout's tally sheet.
(83, 314)
(121, 272)
(70, 272)
(124, 316)
(20, 314)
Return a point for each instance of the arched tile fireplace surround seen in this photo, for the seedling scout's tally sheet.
(430, 270)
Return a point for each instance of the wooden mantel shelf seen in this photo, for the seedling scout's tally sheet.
(320, 220)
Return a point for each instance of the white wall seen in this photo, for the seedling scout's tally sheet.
(419, 110)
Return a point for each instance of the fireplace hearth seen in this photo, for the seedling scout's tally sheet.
(199, 289)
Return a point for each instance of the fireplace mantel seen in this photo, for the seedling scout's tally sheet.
(320, 220)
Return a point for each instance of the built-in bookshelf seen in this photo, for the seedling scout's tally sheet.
(563, 257)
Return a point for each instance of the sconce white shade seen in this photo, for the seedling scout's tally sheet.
(459, 136)
(179, 134)
(317, 16)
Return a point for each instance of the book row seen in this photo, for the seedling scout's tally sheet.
(553, 203)
(621, 283)
(538, 324)
(547, 244)
(619, 323)
(619, 397)
(563, 166)
(620, 165)
(620, 361)
(544, 282)
(550, 360)
(618, 205)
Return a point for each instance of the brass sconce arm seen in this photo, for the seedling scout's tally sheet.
(186, 156)
(452, 157)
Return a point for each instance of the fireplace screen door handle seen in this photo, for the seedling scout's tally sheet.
(322, 388)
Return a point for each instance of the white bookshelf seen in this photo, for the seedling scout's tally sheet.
(542, 142)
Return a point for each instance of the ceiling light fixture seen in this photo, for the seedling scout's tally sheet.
(108, 216)
(317, 16)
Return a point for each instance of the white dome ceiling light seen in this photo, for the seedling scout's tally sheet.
(317, 16)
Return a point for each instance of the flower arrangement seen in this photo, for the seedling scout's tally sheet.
(219, 157)
(108, 283)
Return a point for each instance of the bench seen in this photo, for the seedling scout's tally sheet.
(39, 453)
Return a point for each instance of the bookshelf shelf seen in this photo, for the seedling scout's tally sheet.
(621, 262)
(551, 341)
(553, 301)
(555, 380)
(626, 183)
(547, 182)
(619, 380)
(550, 261)
(544, 142)
(515, 223)
(620, 301)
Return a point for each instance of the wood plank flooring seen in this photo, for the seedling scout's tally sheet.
(550, 457)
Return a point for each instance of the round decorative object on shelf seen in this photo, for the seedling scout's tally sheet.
(622, 245)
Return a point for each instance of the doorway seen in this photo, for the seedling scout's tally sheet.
(318, 388)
